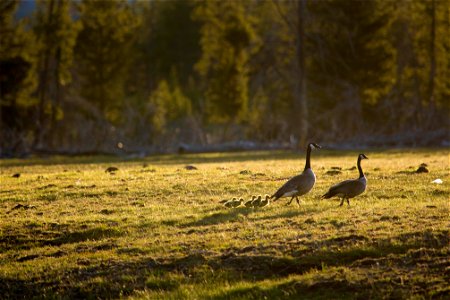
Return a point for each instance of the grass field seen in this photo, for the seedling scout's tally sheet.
(154, 230)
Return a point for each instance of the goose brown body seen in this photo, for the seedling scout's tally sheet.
(301, 184)
(349, 188)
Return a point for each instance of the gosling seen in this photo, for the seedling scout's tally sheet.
(249, 202)
(230, 203)
(265, 202)
(237, 203)
(256, 202)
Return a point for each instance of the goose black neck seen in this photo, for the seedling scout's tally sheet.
(308, 155)
(361, 174)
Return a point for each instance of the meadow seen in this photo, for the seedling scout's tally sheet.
(154, 229)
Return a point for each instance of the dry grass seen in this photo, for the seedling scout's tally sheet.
(156, 230)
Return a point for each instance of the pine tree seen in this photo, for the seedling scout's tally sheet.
(227, 40)
(103, 52)
(272, 80)
(350, 63)
(56, 34)
(419, 34)
(17, 80)
(173, 45)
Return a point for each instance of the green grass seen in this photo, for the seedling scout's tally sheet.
(154, 230)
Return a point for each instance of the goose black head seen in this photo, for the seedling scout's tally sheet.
(362, 156)
(314, 145)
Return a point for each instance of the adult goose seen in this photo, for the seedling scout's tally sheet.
(349, 188)
(301, 184)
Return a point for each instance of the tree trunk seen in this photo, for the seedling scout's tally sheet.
(43, 81)
(300, 103)
(432, 74)
(56, 100)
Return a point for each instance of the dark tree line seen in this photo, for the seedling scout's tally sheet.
(86, 75)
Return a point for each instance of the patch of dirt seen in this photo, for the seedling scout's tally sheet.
(131, 251)
(58, 253)
(27, 257)
(333, 172)
(344, 239)
(440, 193)
(389, 218)
(23, 206)
(111, 170)
(310, 221)
(48, 186)
(107, 211)
(190, 167)
(422, 169)
(91, 248)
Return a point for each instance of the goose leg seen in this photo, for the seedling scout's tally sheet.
(342, 202)
(298, 201)
(348, 202)
(289, 203)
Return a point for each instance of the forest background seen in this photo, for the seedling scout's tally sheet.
(162, 76)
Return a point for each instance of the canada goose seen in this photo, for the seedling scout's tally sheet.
(349, 188)
(256, 202)
(301, 184)
(230, 203)
(265, 202)
(237, 203)
(249, 202)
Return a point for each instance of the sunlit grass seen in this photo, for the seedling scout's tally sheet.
(154, 229)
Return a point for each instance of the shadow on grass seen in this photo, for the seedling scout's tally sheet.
(28, 241)
(93, 234)
(232, 215)
(296, 211)
(236, 214)
(115, 278)
(325, 289)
